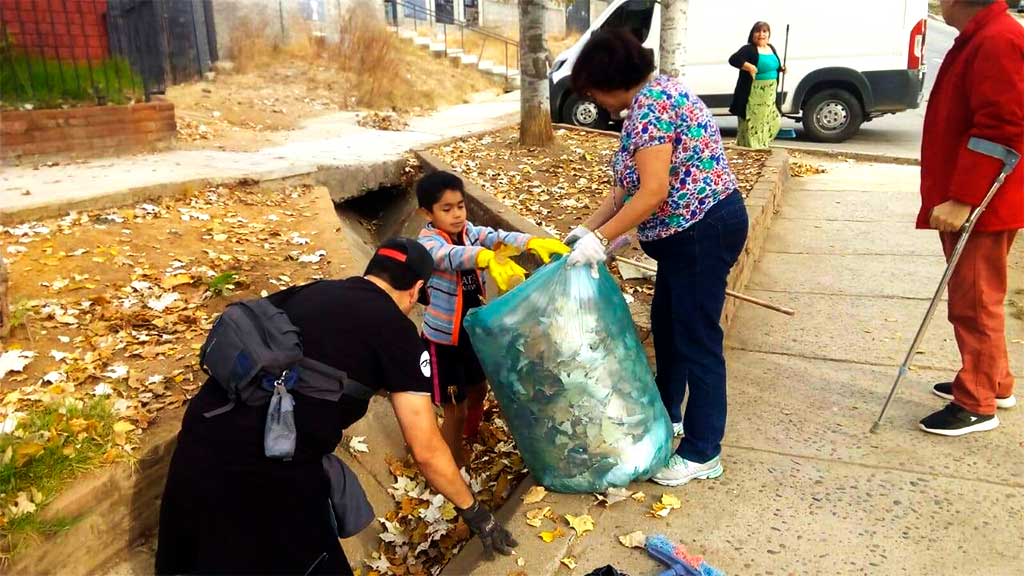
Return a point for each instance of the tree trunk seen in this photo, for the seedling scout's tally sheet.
(673, 41)
(535, 114)
(5, 311)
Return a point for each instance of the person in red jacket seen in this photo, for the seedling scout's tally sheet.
(978, 92)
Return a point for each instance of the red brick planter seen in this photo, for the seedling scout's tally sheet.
(88, 132)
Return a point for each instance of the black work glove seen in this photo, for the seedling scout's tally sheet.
(493, 535)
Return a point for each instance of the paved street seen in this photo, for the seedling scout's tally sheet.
(895, 135)
(807, 489)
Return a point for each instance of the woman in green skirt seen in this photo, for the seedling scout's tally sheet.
(754, 98)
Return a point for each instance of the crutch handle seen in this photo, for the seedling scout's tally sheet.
(1009, 157)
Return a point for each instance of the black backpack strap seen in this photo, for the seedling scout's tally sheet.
(217, 412)
(326, 382)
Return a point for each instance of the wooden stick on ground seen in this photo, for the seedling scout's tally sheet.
(730, 293)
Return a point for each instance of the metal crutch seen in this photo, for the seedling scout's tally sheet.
(1010, 159)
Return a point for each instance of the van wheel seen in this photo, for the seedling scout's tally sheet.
(585, 112)
(832, 115)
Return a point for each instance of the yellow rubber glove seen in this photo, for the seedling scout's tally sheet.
(507, 274)
(546, 247)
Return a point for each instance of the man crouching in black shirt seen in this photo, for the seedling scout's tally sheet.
(228, 509)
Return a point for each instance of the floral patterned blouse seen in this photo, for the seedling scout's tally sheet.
(663, 112)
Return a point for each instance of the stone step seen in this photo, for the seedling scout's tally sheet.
(485, 65)
(469, 59)
(422, 42)
(437, 49)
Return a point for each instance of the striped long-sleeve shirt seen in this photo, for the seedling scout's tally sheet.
(445, 313)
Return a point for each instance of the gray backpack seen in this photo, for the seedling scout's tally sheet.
(256, 354)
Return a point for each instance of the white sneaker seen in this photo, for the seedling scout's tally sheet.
(680, 471)
(678, 429)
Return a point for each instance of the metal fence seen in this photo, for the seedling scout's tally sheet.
(452, 33)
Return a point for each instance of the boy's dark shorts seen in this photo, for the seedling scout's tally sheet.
(454, 370)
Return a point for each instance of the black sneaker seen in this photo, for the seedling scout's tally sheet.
(945, 390)
(954, 420)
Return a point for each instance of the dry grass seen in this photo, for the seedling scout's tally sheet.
(371, 54)
(389, 73)
(250, 47)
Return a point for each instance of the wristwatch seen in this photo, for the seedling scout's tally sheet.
(601, 238)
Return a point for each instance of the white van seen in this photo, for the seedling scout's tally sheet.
(847, 61)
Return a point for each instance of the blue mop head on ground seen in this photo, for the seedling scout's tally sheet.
(675, 557)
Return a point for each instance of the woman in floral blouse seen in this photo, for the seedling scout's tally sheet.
(672, 183)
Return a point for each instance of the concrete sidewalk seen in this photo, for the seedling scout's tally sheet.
(807, 490)
(354, 158)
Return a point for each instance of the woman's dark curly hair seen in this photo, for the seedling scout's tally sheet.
(611, 60)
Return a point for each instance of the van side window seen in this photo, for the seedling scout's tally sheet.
(635, 16)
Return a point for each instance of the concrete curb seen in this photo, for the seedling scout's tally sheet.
(763, 202)
(345, 181)
(843, 154)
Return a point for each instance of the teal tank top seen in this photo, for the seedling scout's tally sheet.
(768, 66)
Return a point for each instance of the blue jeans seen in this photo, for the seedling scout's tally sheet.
(690, 290)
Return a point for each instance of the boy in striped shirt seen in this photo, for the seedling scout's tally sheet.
(461, 251)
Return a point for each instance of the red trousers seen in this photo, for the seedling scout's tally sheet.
(976, 309)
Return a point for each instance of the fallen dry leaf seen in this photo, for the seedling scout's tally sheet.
(639, 496)
(582, 524)
(357, 444)
(536, 516)
(633, 539)
(15, 361)
(550, 536)
(534, 495)
(671, 501)
(570, 562)
(22, 505)
(667, 504)
(613, 496)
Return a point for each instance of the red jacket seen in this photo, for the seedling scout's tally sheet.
(978, 92)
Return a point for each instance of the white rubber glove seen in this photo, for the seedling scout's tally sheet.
(586, 251)
(577, 233)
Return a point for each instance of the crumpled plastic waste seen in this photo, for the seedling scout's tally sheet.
(563, 358)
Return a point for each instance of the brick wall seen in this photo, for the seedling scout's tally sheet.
(70, 29)
(32, 135)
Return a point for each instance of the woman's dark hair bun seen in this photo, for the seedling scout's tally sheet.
(611, 60)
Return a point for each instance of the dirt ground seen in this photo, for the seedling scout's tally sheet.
(559, 187)
(123, 298)
(243, 111)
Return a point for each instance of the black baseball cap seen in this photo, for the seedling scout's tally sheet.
(403, 261)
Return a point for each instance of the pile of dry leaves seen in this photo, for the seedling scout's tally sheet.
(109, 309)
(389, 121)
(801, 169)
(193, 131)
(423, 532)
(558, 187)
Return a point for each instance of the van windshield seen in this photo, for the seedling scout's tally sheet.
(634, 15)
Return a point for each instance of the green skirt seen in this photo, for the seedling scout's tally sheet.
(760, 127)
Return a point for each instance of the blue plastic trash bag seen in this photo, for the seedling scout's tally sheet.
(562, 355)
